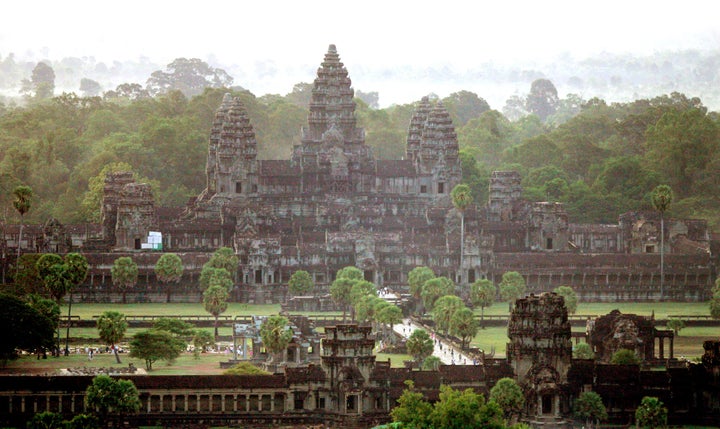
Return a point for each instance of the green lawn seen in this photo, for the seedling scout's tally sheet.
(87, 311)
(396, 360)
(661, 309)
(207, 363)
(688, 343)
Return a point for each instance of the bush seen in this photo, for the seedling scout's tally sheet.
(245, 368)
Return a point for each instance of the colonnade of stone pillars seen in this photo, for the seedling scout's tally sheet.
(661, 347)
(51, 402)
(214, 402)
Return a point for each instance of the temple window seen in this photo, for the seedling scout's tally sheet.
(423, 189)
(238, 188)
(441, 188)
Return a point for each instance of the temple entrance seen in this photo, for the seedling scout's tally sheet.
(547, 404)
(351, 404)
(369, 275)
(138, 244)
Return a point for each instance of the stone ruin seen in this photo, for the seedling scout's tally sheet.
(333, 204)
(540, 352)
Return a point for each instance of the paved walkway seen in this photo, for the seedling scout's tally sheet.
(447, 353)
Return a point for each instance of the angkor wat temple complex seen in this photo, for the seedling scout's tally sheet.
(333, 204)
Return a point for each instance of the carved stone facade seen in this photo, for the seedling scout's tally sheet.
(540, 352)
(332, 204)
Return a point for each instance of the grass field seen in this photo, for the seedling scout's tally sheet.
(660, 309)
(688, 343)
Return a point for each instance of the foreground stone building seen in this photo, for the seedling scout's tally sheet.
(348, 387)
(333, 204)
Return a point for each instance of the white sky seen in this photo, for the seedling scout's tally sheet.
(369, 34)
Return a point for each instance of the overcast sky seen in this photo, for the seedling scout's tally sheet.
(369, 34)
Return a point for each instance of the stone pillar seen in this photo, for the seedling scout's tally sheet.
(162, 403)
(235, 402)
(272, 402)
(672, 347)
(662, 347)
(174, 404)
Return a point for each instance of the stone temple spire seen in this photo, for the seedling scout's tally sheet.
(439, 141)
(232, 149)
(332, 103)
(417, 123)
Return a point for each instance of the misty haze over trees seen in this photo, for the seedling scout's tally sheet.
(598, 135)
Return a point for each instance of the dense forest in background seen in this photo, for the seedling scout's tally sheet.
(600, 159)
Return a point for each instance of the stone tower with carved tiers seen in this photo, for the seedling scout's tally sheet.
(540, 352)
(333, 156)
(348, 360)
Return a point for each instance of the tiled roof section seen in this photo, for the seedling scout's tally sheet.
(207, 382)
(310, 373)
(278, 167)
(462, 373)
(395, 168)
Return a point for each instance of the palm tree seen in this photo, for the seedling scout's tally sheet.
(661, 199)
(22, 195)
(461, 199)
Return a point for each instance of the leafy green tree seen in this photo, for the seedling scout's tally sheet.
(153, 345)
(464, 106)
(570, 297)
(107, 395)
(276, 334)
(443, 311)
(301, 283)
(215, 302)
(463, 325)
(715, 306)
(651, 413)
(42, 82)
(389, 315)
(24, 328)
(53, 273)
(461, 199)
(583, 351)
(676, 325)
(225, 258)
(76, 271)
(419, 345)
(89, 87)
(341, 287)
(190, 76)
(661, 198)
(360, 290)
(679, 143)
(22, 203)
(210, 274)
(46, 420)
(124, 273)
(509, 396)
(416, 280)
(83, 421)
(624, 357)
(177, 327)
(202, 340)
(434, 288)
(49, 309)
(465, 410)
(512, 286)
(412, 410)
(111, 327)
(482, 294)
(26, 278)
(169, 269)
(367, 306)
(543, 99)
(431, 363)
(590, 408)
(245, 368)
